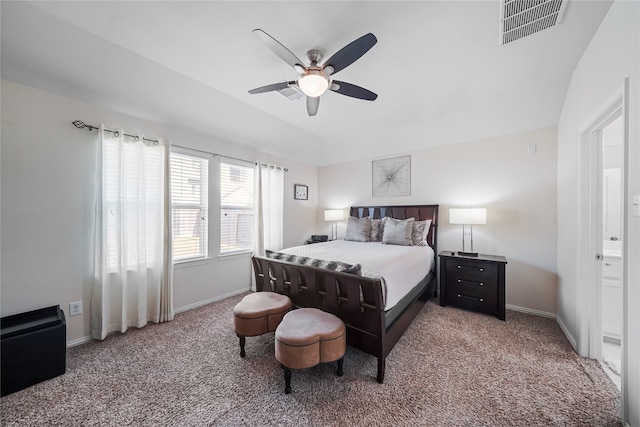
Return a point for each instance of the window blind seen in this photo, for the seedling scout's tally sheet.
(236, 207)
(189, 206)
(132, 195)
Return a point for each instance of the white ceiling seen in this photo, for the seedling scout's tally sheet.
(439, 72)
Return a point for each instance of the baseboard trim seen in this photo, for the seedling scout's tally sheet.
(563, 327)
(79, 341)
(531, 311)
(84, 340)
(210, 300)
(570, 337)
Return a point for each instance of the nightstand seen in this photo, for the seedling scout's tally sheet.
(474, 283)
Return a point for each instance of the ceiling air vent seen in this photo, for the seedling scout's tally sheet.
(291, 92)
(521, 18)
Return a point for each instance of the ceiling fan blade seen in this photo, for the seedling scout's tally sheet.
(312, 105)
(285, 54)
(353, 91)
(350, 53)
(272, 87)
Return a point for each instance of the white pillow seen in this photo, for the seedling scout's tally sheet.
(398, 232)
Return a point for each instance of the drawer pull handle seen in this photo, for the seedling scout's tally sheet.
(608, 264)
(470, 281)
(470, 268)
(465, 296)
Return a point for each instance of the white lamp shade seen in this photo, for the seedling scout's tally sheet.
(333, 215)
(467, 216)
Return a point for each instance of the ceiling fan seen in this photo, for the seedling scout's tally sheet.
(315, 78)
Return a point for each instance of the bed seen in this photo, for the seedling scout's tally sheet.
(373, 326)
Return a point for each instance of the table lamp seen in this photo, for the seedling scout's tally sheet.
(334, 215)
(470, 217)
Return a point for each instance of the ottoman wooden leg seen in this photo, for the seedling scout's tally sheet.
(287, 379)
(242, 341)
(340, 361)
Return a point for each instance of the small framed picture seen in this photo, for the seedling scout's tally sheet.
(300, 192)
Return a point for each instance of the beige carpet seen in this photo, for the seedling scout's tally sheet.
(451, 368)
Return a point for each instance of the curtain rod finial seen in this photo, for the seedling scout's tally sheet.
(81, 125)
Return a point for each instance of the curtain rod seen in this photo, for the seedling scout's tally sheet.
(81, 125)
(214, 154)
(229, 157)
(264, 165)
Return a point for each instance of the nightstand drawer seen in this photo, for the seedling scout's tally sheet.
(486, 303)
(475, 288)
(473, 271)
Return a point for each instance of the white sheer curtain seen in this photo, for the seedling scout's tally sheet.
(133, 262)
(270, 203)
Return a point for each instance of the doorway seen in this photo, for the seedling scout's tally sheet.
(602, 231)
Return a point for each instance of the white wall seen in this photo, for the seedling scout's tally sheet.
(48, 175)
(612, 56)
(518, 189)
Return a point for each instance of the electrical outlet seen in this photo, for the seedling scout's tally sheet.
(75, 308)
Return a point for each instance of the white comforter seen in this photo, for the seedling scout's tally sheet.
(399, 267)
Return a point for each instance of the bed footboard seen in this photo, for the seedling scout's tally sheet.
(357, 300)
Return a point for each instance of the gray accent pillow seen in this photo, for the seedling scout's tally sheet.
(398, 232)
(320, 263)
(358, 229)
(420, 232)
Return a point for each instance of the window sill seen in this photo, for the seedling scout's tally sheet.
(234, 255)
(191, 262)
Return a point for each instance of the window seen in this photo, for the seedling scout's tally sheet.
(236, 207)
(131, 185)
(189, 206)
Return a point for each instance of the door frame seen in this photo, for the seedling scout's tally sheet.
(590, 228)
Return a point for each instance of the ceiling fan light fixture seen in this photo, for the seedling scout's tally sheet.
(313, 83)
(313, 79)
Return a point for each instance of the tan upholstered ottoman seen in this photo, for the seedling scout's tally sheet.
(259, 313)
(309, 336)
